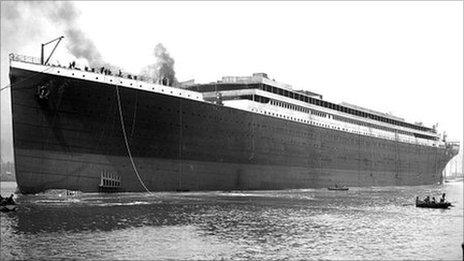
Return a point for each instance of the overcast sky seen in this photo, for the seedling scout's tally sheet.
(400, 57)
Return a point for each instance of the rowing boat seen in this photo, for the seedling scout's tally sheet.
(423, 204)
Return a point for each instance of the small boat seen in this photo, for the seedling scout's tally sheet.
(423, 204)
(8, 208)
(337, 188)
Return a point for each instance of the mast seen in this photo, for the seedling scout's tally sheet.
(54, 48)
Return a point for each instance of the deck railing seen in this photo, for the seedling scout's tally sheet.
(31, 59)
(24, 58)
(55, 63)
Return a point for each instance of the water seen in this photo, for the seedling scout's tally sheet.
(362, 223)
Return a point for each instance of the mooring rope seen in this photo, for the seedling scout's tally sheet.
(127, 143)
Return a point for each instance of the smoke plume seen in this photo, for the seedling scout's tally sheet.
(78, 44)
(24, 20)
(164, 65)
(162, 71)
(27, 18)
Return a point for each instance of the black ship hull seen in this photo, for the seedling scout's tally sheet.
(72, 136)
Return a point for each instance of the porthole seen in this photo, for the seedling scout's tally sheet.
(83, 75)
(96, 78)
(58, 71)
(72, 73)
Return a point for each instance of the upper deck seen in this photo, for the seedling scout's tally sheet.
(260, 82)
(90, 74)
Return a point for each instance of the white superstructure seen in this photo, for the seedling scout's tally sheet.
(285, 103)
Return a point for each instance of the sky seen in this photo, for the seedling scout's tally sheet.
(391, 56)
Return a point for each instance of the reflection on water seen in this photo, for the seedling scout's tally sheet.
(362, 223)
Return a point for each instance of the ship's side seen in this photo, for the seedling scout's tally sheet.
(72, 129)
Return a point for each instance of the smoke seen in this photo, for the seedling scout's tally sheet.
(162, 71)
(164, 65)
(22, 19)
(77, 43)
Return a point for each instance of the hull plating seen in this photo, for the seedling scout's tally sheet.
(71, 137)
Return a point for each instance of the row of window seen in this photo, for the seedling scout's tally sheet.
(307, 99)
(333, 106)
(322, 114)
(335, 117)
(286, 105)
(326, 125)
(298, 108)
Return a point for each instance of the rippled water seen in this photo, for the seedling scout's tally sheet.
(362, 223)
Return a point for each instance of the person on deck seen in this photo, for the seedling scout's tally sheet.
(427, 199)
(10, 201)
(442, 199)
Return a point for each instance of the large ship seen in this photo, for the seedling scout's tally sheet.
(85, 129)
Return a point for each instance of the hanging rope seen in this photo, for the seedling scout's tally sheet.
(126, 142)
